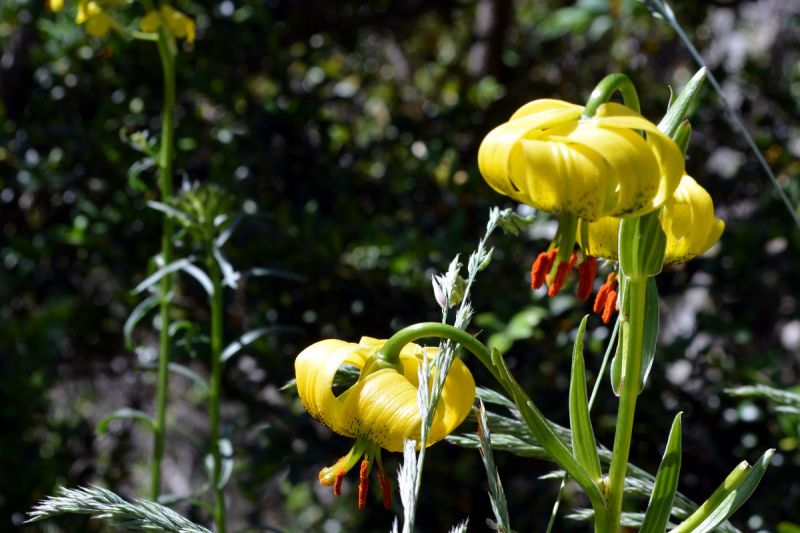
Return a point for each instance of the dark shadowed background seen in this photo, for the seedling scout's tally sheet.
(348, 133)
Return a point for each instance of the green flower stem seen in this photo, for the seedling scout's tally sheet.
(538, 424)
(632, 337)
(606, 88)
(214, 389)
(165, 157)
(390, 353)
(567, 229)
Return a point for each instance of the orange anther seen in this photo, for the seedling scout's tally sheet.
(602, 294)
(610, 306)
(564, 268)
(363, 484)
(386, 488)
(586, 274)
(540, 267)
(337, 485)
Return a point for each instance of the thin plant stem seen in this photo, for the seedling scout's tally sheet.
(600, 95)
(165, 157)
(214, 389)
(665, 10)
(595, 389)
(632, 326)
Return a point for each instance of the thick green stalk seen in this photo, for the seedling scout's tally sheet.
(166, 154)
(604, 517)
(214, 389)
(633, 334)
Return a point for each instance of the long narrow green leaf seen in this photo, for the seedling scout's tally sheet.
(140, 416)
(666, 485)
(138, 313)
(497, 496)
(271, 272)
(229, 273)
(728, 497)
(251, 336)
(153, 278)
(201, 277)
(170, 211)
(181, 370)
(584, 446)
(541, 429)
(650, 340)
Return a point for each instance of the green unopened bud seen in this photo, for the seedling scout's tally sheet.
(683, 135)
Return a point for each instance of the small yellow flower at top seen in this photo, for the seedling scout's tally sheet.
(175, 21)
(54, 5)
(97, 22)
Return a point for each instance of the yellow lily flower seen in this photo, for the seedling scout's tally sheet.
(687, 219)
(55, 5)
(175, 21)
(550, 157)
(96, 19)
(380, 410)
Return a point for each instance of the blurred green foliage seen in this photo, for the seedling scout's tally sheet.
(347, 132)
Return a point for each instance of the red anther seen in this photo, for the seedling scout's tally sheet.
(363, 484)
(586, 274)
(564, 268)
(602, 294)
(386, 488)
(540, 267)
(600, 299)
(337, 485)
(611, 305)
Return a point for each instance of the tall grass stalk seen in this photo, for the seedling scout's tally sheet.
(446, 288)
(663, 10)
(166, 52)
(214, 389)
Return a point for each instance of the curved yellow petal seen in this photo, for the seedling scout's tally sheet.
(458, 395)
(603, 238)
(178, 23)
(668, 155)
(381, 408)
(565, 177)
(546, 104)
(615, 164)
(687, 220)
(499, 157)
(315, 369)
